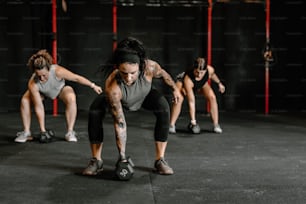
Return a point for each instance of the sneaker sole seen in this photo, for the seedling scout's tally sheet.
(71, 140)
(23, 141)
(163, 173)
(93, 173)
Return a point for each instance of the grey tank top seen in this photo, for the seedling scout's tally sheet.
(53, 86)
(134, 95)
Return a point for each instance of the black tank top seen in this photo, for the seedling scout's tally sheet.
(198, 84)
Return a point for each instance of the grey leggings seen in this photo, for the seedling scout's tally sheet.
(154, 102)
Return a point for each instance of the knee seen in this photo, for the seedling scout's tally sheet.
(25, 100)
(93, 113)
(212, 98)
(180, 100)
(68, 96)
(163, 138)
(164, 109)
(96, 115)
(162, 105)
(71, 99)
(163, 113)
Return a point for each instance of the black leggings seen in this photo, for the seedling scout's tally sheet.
(154, 101)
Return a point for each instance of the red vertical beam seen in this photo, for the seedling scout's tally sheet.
(209, 38)
(54, 48)
(267, 61)
(209, 31)
(114, 24)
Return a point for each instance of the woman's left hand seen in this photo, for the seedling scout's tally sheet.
(221, 87)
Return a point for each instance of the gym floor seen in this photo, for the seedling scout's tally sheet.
(257, 159)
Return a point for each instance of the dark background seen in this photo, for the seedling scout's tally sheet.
(173, 34)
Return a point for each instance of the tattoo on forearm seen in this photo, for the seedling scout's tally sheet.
(168, 80)
(117, 113)
(158, 72)
(119, 124)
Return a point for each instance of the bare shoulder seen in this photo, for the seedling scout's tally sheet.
(188, 82)
(152, 68)
(64, 73)
(32, 86)
(210, 68)
(111, 85)
(31, 81)
(57, 67)
(150, 62)
(58, 70)
(149, 65)
(111, 77)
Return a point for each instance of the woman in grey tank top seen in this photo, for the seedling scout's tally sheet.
(128, 87)
(48, 81)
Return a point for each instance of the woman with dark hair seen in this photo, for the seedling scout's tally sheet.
(129, 88)
(48, 81)
(195, 80)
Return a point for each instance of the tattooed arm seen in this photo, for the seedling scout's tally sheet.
(114, 96)
(158, 72)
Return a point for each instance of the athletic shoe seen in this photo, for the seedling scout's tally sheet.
(23, 137)
(162, 167)
(172, 129)
(46, 137)
(71, 136)
(195, 129)
(217, 129)
(94, 167)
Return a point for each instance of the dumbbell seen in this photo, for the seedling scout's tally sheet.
(124, 169)
(195, 129)
(46, 137)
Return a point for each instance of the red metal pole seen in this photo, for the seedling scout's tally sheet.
(114, 24)
(209, 30)
(209, 36)
(54, 48)
(267, 61)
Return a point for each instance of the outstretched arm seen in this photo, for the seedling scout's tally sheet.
(64, 73)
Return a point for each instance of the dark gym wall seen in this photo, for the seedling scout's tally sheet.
(173, 35)
(25, 28)
(84, 43)
(3, 59)
(238, 42)
(288, 73)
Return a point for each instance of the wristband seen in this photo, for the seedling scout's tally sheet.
(92, 85)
